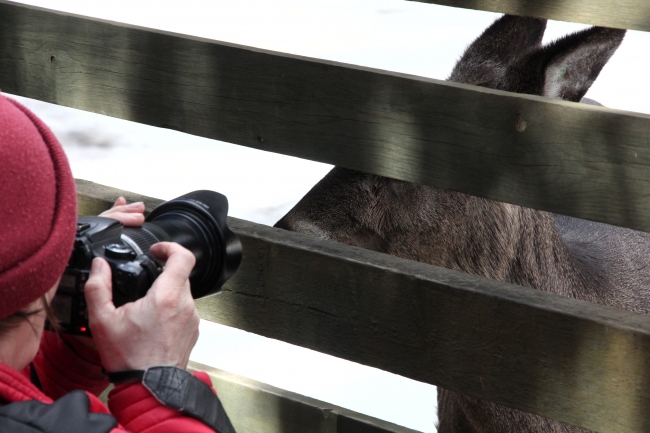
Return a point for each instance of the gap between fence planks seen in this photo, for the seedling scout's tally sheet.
(584, 161)
(255, 407)
(622, 14)
(566, 359)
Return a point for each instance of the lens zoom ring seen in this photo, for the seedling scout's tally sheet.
(141, 237)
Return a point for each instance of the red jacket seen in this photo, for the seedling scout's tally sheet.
(63, 364)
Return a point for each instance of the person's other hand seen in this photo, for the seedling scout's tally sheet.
(131, 215)
(159, 329)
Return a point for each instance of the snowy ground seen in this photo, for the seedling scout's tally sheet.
(408, 37)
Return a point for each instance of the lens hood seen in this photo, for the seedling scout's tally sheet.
(197, 221)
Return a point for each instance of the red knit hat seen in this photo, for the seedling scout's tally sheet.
(38, 208)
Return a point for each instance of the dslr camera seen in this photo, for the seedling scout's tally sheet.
(196, 220)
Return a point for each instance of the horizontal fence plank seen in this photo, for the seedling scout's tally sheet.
(622, 14)
(566, 359)
(255, 407)
(584, 161)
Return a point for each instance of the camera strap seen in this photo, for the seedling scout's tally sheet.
(180, 390)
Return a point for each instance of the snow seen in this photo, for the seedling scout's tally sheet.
(410, 37)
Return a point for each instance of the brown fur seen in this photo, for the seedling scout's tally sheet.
(562, 255)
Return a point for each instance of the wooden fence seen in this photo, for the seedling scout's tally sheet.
(566, 359)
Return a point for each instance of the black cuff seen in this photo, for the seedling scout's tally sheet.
(125, 376)
(180, 390)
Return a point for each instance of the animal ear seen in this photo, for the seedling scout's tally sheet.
(506, 40)
(566, 68)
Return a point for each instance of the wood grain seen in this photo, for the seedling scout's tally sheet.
(622, 14)
(570, 360)
(584, 161)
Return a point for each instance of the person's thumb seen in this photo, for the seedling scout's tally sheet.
(98, 290)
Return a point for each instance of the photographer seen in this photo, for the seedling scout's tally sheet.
(49, 382)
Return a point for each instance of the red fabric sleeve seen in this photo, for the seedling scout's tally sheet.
(96, 406)
(139, 411)
(64, 364)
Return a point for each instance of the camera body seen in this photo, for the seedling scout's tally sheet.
(196, 220)
(133, 272)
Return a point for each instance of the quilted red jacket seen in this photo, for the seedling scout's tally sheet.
(63, 364)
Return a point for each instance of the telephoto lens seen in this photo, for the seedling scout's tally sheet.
(196, 221)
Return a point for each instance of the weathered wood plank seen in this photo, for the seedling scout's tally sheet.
(622, 14)
(570, 360)
(572, 159)
(255, 407)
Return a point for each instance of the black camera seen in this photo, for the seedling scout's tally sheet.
(196, 220)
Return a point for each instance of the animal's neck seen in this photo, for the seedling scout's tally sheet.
(541, 259)
(508, 243)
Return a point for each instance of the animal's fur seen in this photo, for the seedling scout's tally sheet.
(562, 255)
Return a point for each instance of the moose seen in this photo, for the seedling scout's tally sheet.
(558, 254)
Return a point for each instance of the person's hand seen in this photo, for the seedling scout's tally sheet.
(131, 215)
(159, 329)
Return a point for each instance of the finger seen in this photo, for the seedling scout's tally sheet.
(98, 289)
(121, 201)
(136, 207)
(129, 219)
(179, 264)
(131, 215)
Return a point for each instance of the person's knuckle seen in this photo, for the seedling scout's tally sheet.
(186, 304)
(166, 302)
(193, 317)
(97, 321)
(191, 259)
(186, 309)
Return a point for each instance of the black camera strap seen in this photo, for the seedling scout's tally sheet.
(125, 376)
(182, 391)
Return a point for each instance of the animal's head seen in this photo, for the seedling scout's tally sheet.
(446, 227)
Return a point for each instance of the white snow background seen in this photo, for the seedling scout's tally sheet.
(415, 38)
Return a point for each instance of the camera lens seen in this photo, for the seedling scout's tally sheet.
(197, 221)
